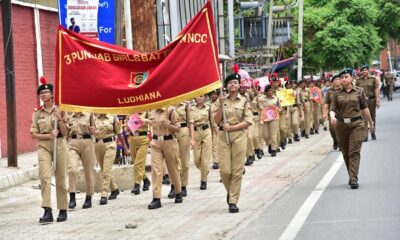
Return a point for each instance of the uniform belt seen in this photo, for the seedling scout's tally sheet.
(78, 136)
(305, 100)
(59, 135)
(183, 125)
(202, 127)
(370, 98)
(255, 113)
(349, 120)
(143, 133)
(163, 138)
(105, 140)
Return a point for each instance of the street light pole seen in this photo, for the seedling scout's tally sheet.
(10, 83)
(300, 43)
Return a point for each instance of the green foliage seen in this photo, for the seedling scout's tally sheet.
(388, 20)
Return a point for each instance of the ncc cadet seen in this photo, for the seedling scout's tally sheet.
(81, 148)
(315, 100)
(232, 151)
(269, 127)
(284, 115)
(105, 149)
(250, 146)
(165, 123)
(389, 85)
(305, 101)
(185, 138)
(43, 129)
(202, 120)
(336, 86)
(256, 121)
(346, 110)
(370, 85)
(139, 144)
(214, 95)
(294, 114)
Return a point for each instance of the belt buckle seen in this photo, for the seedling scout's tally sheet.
(160, 138)
(100, 141)
(78, 136)
(347, 120)
(198, 129)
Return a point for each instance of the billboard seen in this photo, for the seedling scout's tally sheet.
(92, 18)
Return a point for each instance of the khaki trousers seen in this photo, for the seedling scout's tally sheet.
(81, 150)
(184, 154)
(45, 157)
(167, 149)
(307, 117)
(269, 131)
(282, 126)
(202, 152)
(350, 136)
(232, 158)
(250, 143)
(138, 149)
(293, 121)
(105, 155)
(316, 115)
(372, 109)
(215, 146)
(256, 133)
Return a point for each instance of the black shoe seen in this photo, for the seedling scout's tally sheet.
(306, 136)
(215, 165)
(47, 216)
(72, 201)
(248, 161)
(312, 131)
(296, 138)
(178, 198)
(172, 193)
(277, 151)
(184, 192)
(227, 198)
(325, 129)
(244, 172)
(366, 139)
(269, 149)
(354, 184)
(203, 185)
(136, 189)
(233, 208)
(166, 180)
(62, 216)
(156, 203)
(114, 194)
(290, 141)
(303, 133)
(316, 132)
(273, 153)
(335, 146)
(103, 201)
(262, 152)
(283, 146)
(146, 184)
(87, 203)
(373, 136)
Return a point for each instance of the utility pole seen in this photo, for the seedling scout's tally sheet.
(269, 33)
(231, 28)
(10, 83)
(300, 43)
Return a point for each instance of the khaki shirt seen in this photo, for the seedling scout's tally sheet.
(159, 115)
(305, 95)
(237, 110)
(348, 104)
(108, 125)
(264, 102)
(202, 115)
(369, 85)
(80, 124)
(329, 95)
(214, 108)
(184, 115)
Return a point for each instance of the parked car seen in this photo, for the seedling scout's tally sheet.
(397, 81)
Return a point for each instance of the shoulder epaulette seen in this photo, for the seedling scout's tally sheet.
(38, 108)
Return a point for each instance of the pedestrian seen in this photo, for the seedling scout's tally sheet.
(336, 86)
(202, 120)
(214, 95)
(81, 148)
(165, 123)
(105, 149)
(315, 100)
(348, 107)
(250, 158)
(389, 82)
(305, 101)
(294, 114)
(232, 149)
(139, 144)
(43, 129)
(370, 84)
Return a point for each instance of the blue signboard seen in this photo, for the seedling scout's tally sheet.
(86, 16)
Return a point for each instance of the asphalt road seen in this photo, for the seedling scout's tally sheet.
(311, 210)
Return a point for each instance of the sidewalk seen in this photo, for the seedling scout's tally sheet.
(202, 215)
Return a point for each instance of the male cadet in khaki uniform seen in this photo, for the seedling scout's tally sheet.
(139, 144)
(336, 86)
(389, 85)
(370, 85)
(232, 155)
(81, 148)
(250, 145)
(105, 149)
(165, 123)
(347, 107)
(214, 95)
(293, 110)
(305, 101)
(185, 138)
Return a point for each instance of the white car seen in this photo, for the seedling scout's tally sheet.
(397, 80)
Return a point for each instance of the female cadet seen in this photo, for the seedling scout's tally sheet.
(269, 127)
(43, 129)
(307, 109)
(139, 144)
(232, 154)
(202, 122)
(105, 149)
(164, 146)
(346, 110)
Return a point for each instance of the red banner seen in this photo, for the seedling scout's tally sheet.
(98, 77)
